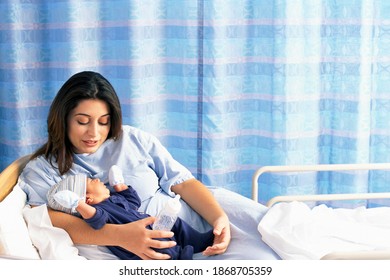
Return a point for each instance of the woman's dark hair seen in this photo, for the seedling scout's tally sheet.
(81, 86)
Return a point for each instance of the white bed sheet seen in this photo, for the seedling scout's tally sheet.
(296, 231)
(52, 243)
(244, 214)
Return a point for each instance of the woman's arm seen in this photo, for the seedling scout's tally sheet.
(191, 190)
(202, 201)
(133, 236)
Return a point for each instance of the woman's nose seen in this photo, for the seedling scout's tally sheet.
(93, 129)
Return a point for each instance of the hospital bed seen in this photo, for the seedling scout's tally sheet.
(290, 215)
(27, 233)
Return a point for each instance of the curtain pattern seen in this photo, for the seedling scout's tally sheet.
(228, 86)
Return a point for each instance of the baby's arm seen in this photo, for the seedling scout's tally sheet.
(120, 187)
(86, 211)
(131, 196)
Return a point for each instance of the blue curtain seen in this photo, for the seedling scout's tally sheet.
(228, 86)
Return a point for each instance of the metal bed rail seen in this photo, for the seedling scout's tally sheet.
(318, 167)
(361, 255)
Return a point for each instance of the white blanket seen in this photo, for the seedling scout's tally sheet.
(295, 231)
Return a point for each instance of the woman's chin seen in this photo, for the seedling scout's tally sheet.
(87, 150)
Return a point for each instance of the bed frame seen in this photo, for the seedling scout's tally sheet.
(9, 176)
(363, 255)
(318, 168)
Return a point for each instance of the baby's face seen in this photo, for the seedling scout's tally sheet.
(97, 190)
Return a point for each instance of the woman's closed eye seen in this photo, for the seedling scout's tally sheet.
(82, 119)
(104, 123)
(104, 120)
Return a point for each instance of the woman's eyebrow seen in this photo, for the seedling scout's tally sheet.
(86, 115)
(81, 114)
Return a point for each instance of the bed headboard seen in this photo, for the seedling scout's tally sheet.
(9, 176)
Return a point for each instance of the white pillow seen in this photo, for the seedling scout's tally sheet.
(53, 243)
(14, 237)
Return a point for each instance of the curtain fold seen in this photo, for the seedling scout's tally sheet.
(227, 86)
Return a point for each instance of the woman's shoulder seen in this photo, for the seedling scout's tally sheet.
(40, 163)
(134, 132)
(128, 129)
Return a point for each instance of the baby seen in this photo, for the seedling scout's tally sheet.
(92, 200)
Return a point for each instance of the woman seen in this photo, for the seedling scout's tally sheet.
(86, 135)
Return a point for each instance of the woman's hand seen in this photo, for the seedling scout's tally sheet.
(136, 238)
(199, 197)
(221, 239)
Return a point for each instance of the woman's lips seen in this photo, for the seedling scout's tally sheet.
(90, 143)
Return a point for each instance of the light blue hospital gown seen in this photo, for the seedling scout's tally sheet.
(150, 169)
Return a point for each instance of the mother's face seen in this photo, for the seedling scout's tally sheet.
(89, 125)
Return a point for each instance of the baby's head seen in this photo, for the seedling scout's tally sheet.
(92, 191)
(96, 191)
(74, 183)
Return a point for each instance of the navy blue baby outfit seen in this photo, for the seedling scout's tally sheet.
(122, 207)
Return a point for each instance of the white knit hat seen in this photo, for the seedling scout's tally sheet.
(75, 183)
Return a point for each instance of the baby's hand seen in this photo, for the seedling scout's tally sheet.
(115, 176)
(120, 187)
(67, 199)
